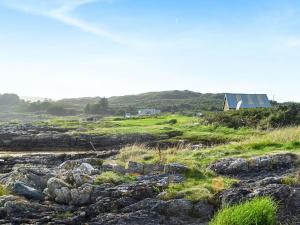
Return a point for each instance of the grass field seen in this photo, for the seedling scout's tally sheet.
(174, 127)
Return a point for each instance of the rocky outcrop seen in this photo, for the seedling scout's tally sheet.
(27, 136)
(256, 166)
(61, 190)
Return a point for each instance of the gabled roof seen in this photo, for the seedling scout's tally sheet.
(248, 100)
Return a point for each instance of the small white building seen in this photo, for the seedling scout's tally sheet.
(127, 115)
(148, 112)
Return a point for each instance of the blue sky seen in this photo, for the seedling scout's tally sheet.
(73, 48)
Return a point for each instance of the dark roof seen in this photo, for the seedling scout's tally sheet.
(248, 100)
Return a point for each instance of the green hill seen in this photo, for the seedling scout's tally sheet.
(167, 101)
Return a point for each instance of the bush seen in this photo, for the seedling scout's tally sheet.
(259, 211)
(114, 178)
(280, 116)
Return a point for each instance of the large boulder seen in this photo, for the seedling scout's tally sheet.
(86, 168)
(32, 176)
(28, 192)
(82, 195)
(58, 190)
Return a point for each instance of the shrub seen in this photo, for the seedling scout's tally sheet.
(259, 211)
(280, 116)
(172, 121)
(114, 178)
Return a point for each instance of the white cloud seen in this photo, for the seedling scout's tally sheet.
(61, 10)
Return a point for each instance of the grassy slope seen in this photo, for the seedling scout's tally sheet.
(200, 182)
(185, 128)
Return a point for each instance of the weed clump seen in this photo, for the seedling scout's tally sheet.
(114, 178)
(259, 211)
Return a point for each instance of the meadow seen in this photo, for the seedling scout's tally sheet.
(174, 128)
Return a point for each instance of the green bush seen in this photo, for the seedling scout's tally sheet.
(114, 178)
(259, 211)
(280, 116)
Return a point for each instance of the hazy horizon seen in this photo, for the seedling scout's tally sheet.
(79, 48)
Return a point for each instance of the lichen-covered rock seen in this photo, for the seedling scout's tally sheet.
(82, 195)
(58, 190)
(85, 168)
(81, 178)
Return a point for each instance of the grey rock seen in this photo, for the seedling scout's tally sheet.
(203, 210)
(114, 168)
(59, 190)
(176, 168)
(176, 207)
(6, 198)
(28, 192)
(264, 164)
(81, 196)
(153, 168)
(85, 168)
(134, 167)
(81, 178)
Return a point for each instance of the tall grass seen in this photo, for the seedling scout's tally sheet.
(259, 211)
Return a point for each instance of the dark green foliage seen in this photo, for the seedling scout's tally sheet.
(51, 108)
(9, 99)
(101, 107)
(279, 116)
(57, 110)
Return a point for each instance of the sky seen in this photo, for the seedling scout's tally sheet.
(75, 48)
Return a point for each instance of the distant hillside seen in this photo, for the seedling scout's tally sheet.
(167, 101)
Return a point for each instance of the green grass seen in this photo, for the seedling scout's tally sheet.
(114, 178)
(4, 191)
(171, 127)
(292, 180)
(259, 211)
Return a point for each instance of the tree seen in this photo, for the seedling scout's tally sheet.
(103, 104)
(9, 99)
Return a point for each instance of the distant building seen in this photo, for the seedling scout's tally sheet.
(127, 115)
(148, 112)
(245, 101)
